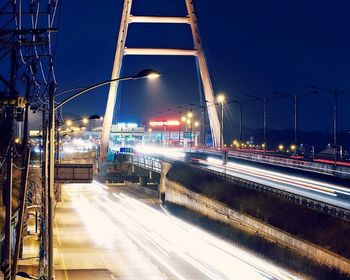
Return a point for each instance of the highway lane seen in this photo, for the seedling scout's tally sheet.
(125, 235)
(331, 193)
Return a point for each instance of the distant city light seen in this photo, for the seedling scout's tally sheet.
(127, 125)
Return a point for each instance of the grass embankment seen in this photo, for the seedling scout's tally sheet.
(322, 229)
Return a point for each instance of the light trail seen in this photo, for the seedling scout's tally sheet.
(183, 250)
(283, 179)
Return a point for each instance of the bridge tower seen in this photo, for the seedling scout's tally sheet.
(197, 52)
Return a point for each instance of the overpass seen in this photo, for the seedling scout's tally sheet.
(318, 194)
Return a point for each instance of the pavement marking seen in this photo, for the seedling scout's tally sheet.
(64, 266)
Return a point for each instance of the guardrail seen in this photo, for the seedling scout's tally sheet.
(147, 162)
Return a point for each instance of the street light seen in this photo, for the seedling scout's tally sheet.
(202, 108)
(336, 94)
(147, 73)
(221, 99)
(295, 99)
(69, 123)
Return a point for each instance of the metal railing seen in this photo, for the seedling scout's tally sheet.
(147, 162)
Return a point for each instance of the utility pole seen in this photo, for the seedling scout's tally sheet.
(24, 183)
(7, 263)
(51, 193)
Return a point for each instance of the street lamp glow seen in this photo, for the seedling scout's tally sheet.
(153, 76)
(85, 120)
(183, 118)
(293, 147)
(190, 115)
(280, 147)
(69, 122)
(148, 73)
(188, 122)
(196, 124)
(220, 98)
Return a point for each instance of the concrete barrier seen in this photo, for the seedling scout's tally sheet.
(144, 190)
(178, 194)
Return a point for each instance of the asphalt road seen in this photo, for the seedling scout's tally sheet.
(115, 233)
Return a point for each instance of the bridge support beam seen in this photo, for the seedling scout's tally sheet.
(143, 181)
(163, 172)
(121, 51)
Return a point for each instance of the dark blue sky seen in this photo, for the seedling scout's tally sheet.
(253, 47)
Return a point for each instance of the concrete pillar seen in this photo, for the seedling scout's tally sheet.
(163, 172)
(143, 180)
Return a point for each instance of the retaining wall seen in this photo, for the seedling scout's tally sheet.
(178, 194)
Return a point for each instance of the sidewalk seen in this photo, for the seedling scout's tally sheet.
(30, 261)
(75, 255)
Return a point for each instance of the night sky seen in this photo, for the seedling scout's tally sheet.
(253, 47)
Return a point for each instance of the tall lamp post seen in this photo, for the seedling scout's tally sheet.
(295, 99)
(335, 94)
(241, 103)
(202, 108)
(147, 73)
(221, 99)
(264, 100)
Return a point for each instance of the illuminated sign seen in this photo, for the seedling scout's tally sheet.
(165, 123)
